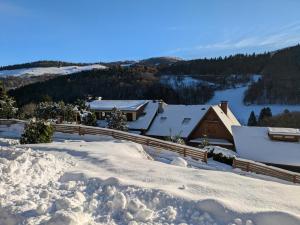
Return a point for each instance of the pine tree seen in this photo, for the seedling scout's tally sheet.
(37, 132)
(89, 119)
(117, 120)
(7, 104)
(264, 114)
(252, 119)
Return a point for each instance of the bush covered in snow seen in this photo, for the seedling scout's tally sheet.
(37, 132)
(117, 120)
(175, 138)
(221, 154)
(88, 118)
(7, 105)
(54, 110)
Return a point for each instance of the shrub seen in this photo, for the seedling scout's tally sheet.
(53, 110)
(37, 132)
(117, 120)
(7, 104)
(89, 119)
(220, 154)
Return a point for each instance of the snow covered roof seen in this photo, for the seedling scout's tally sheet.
(177, 120)
(143, 122)
(126, 105)
(228, 119)
(253, 143)
(284, 131)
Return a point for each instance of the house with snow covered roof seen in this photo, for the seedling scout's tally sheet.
(275, 146)
(193, 123)
(196, 123)
(139, 113)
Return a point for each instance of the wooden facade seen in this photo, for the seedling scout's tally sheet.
(211, 126)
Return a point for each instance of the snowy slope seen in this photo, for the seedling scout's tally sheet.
(241, 111)
(38, 71)
(116, 182)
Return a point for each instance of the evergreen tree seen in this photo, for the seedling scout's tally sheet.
(264, 114)
(37, 132)
(89, 119)
(252, 119)
(117, 120)
(7, 104)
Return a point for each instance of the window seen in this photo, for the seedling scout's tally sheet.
(186, 121)
(129, 116)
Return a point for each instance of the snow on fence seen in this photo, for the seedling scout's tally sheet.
(183, 150)
(260, 168)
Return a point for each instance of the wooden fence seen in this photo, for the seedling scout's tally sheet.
(260, 168)
(183, 150)
(196, 153)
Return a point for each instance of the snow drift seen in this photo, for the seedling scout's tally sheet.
(116, 182)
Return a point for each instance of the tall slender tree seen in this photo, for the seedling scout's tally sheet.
(252, 119)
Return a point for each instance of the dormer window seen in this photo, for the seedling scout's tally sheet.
(186, 121)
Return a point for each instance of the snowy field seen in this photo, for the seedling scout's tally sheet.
(100, 180)
(242, 112)
(38, 71)
(182, 81)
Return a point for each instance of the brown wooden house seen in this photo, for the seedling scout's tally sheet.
(196, 123)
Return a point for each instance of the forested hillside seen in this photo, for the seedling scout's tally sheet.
(280, 82)
(237, 64)
(280, 72)
(115, 83)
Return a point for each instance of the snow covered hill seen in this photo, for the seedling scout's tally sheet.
(38, 71)
(235, 98)
(109, 181)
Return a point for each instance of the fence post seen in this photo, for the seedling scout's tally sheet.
(247, 166)
(205, 157)
(184, 152)
(234, 163)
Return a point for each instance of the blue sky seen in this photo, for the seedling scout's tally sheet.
(96, 30)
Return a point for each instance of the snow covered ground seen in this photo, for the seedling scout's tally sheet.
(89, 182)
(241, 111)
(38, 71)
(176, 81)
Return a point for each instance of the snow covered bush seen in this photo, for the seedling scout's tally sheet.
(7, 105)
(117, 120)
(220, 154)
(37, 132)
(204, 142)
(54, 110)
(175, 138)
(27, 111)
(88, 118)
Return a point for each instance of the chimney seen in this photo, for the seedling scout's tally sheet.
(160, 106)
(224, 106)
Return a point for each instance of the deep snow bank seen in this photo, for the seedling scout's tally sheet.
(116, 182)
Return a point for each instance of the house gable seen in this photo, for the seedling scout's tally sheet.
(211, 126)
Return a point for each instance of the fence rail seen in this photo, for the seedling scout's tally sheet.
(260, 168)
(184, 150)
